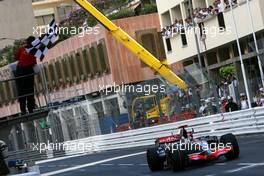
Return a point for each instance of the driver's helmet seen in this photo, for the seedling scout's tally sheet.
(183, 133)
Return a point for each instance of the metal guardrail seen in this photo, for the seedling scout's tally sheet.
(240, 122)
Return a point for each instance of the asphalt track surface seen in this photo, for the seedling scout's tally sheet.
(132, 162)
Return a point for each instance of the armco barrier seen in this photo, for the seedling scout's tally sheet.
(240, 122)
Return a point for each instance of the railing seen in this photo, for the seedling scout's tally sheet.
(239, 123)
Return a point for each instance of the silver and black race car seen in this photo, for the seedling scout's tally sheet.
(182, 150)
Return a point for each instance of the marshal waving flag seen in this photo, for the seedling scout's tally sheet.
(40, 46)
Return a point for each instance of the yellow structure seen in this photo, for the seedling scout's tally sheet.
(134, 46)
(154, 112)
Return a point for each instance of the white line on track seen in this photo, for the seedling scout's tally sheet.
(125, 164)
(252, 142)
(107, 164)
(60, 158)
(143, 164)
(90, 164)
(245, 167)
(246, 164)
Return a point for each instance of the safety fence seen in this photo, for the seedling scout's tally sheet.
(239, 123)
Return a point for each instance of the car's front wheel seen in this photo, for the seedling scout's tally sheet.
(230, 139)
(155, 162)
(176, 160)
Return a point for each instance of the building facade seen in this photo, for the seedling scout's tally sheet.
(84, 68)
(217, 42)
(46, 10)
(18, 25)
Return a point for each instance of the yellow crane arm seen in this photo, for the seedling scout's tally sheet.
(133, 46)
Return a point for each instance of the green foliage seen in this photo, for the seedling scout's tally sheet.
(148, 8)
(80, 18)
(105, 5)
(124, 13)
(227, 71)
(7, 53)
(91, 21)
(63, 36)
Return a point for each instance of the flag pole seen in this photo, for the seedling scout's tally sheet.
(240, 55)
(256, 43)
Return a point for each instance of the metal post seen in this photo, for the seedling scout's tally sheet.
(256, 44)
(214, 85)
(240, 56)
(45, 84)
(195, 34)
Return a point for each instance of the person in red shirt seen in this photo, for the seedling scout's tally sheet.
(25, 76)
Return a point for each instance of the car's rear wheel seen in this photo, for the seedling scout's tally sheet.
(230, 139)
(155, 162)
(176, 160)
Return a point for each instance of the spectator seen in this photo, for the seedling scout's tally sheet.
(202, 108)
(220, 15)
(210, 108)
(25, 84)
(233, 2)
(223, 104)
(231, 106)
(243, 101)
(199, 15)
(258, 102)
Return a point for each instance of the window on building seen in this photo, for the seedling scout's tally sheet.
(183, 38)
(73, 67)
(166, 19)
(211, 58)
(63, 11)
(188, 62)
(199, 4)
(242, 47)
(94, 59)
(52, 74)
(44, 20)
(168, 44)
(160, 42)
(103, 57)
(148, 42)
(47, 74)
(224, 53)
(78, 62)
(176, 13)
(86, 62)
(65, 69)
(221, 21)
(58, 66)
(196, 60)
(38, 83)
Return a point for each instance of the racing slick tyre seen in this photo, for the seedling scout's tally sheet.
(231, 139)
(155, 163)
(176, 160)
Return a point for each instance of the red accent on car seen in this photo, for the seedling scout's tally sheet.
(212, 156)
(169, 139)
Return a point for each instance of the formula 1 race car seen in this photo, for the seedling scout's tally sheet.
(182, 150)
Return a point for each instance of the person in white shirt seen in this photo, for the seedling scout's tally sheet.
(243, 101)
(203, 107)
(221, 7)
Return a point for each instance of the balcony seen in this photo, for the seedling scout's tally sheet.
(218, 32)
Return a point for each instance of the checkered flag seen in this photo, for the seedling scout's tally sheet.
(40, 46)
